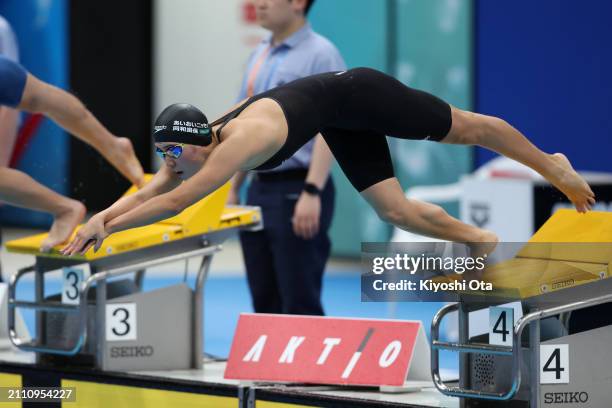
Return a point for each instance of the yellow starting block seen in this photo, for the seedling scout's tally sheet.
(208, 216)
(80, 326)
(569, 250)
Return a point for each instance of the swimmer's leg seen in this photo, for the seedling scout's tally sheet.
(12, 83)
(496, 134)
(392, 206)
(19, 189)
(72, 115)
(9, 119)
(367, 164)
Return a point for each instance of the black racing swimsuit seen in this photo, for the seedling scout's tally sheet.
(354, 110)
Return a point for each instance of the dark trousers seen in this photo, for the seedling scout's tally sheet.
(284, 271)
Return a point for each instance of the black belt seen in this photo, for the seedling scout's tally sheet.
(285, 175)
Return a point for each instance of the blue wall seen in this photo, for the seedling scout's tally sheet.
(42, 35)
(545, 66)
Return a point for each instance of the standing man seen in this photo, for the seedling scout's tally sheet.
(286, 260)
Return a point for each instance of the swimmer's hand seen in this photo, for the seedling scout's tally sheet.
(306, 216)
(91, 234)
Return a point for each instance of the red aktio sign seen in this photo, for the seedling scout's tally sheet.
(323, 350)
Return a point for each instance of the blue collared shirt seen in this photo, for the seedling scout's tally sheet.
(302, 54)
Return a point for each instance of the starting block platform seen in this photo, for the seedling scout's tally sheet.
(563, 270)
(103, 318)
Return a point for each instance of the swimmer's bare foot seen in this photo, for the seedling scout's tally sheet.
(571, 183)
(122, 156)
(481, 247)
(485, 244)
(64, 224)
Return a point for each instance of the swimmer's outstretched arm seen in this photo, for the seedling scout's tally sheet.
(165, 180)
(224, 161)
(219, 168)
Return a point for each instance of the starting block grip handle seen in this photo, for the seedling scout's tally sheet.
(39, 306)
(437, 345)
(520, 325)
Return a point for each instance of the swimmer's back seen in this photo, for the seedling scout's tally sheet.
(354, 101)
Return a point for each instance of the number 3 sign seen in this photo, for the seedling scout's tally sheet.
(73, 278)
(121, 321)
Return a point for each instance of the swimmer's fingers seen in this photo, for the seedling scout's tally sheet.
(87, 245)
(77, 243)
(99, 242)
(67, 250)
(74, 246)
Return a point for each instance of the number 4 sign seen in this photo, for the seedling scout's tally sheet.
(501, 326)
(554, 364)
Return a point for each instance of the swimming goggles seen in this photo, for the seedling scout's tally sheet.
(173, 151)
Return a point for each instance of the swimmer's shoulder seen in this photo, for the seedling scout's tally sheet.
(263, 119)
(258, 138)
(265, 107)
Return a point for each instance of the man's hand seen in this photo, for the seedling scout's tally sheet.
(91, 234)
(306, 216)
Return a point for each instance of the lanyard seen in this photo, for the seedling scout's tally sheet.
(255, 71)
(277, 62)
(257, 66)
